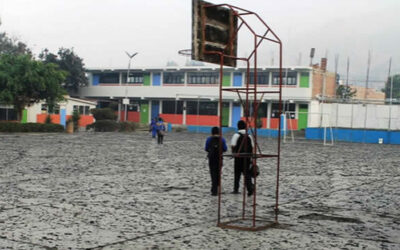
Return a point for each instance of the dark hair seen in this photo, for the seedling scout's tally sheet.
(215, 130)
(241, 125)
(160, 119)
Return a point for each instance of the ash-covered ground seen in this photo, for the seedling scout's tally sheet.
(123, 191)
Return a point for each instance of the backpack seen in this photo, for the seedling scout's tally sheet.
(239, 148)
(213, 150)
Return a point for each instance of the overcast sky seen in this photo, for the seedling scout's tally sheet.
(100, 31)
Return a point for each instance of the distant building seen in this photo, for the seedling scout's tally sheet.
(61, 113)
(189, 95)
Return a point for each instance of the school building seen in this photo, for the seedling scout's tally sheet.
(189, 95)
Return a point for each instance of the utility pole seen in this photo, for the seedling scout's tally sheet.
(391, 92)
(347, 74)
(126, 84)
(366, 93)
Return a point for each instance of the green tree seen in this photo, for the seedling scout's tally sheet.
(24, 81)
(68, 61)
(345, 92)
(396, 87)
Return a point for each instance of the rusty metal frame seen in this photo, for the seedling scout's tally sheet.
(257, 224)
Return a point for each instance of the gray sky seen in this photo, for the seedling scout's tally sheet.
(101, 30)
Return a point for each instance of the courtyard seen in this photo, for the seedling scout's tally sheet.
(124, 191)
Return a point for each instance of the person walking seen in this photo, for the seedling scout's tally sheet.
(242, 143)
(212, 148)
(153, 127)
(160, 131)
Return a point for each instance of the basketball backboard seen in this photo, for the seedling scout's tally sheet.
(213, 31)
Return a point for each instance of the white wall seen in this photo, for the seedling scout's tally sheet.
(172, 92)
(360, 116)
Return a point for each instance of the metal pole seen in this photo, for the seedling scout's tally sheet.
(366, 93)
(347, 74)
(279, 135)
(391, 92)
(221, 74)
(126, 87)
(127, 80)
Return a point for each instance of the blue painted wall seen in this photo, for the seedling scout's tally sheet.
(235, 114)
(354, 135)
(63, 117)
(155, 109)
(156, 79)
(237, 79)
(96, 80)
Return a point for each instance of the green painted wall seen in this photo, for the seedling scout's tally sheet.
(144, 112)
(225, 114)
(304, 80)
(146, 79)
(303, 116)
(24, 116)
(226, 79)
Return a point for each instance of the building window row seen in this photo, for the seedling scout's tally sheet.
(203, 77)
(288, 78)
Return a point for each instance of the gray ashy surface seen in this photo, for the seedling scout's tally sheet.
(123, 191)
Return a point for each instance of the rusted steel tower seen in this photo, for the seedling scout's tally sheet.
(215, 30)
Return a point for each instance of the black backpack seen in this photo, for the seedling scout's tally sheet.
(246, 147)
(213, 150)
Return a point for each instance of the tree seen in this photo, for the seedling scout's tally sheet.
(396, 88)
(12, 46)
(345, 92)
(68, 61)
(24, 81)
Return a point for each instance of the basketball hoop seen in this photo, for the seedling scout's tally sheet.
(185, 52)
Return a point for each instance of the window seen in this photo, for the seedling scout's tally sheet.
(173, 78)
(7, 114)
(262, 109)
(82, 110)
(201, 108)
(203, 78)
(262, 78)
(290, 108)
(135, 77)
(45, 108)
(109, 78)
(172, 107)
(289, 78)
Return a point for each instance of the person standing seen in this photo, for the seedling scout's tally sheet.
(153, 127)
(160, 131)
(212, 148)
(242, 143)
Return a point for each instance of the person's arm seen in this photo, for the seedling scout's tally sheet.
(234, 141)
(207, 146)
(224, 147)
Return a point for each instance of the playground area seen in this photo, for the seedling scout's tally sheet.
(124, 191)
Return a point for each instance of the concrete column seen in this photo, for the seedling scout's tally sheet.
(184, 113)
(230, 113)
(269, 111)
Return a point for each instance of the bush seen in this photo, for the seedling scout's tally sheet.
(11, 127)
(104, 114)
(104, 126)
(127, 126)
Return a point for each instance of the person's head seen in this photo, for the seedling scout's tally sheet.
(215, 131)
(160, 119)
(241, 125)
